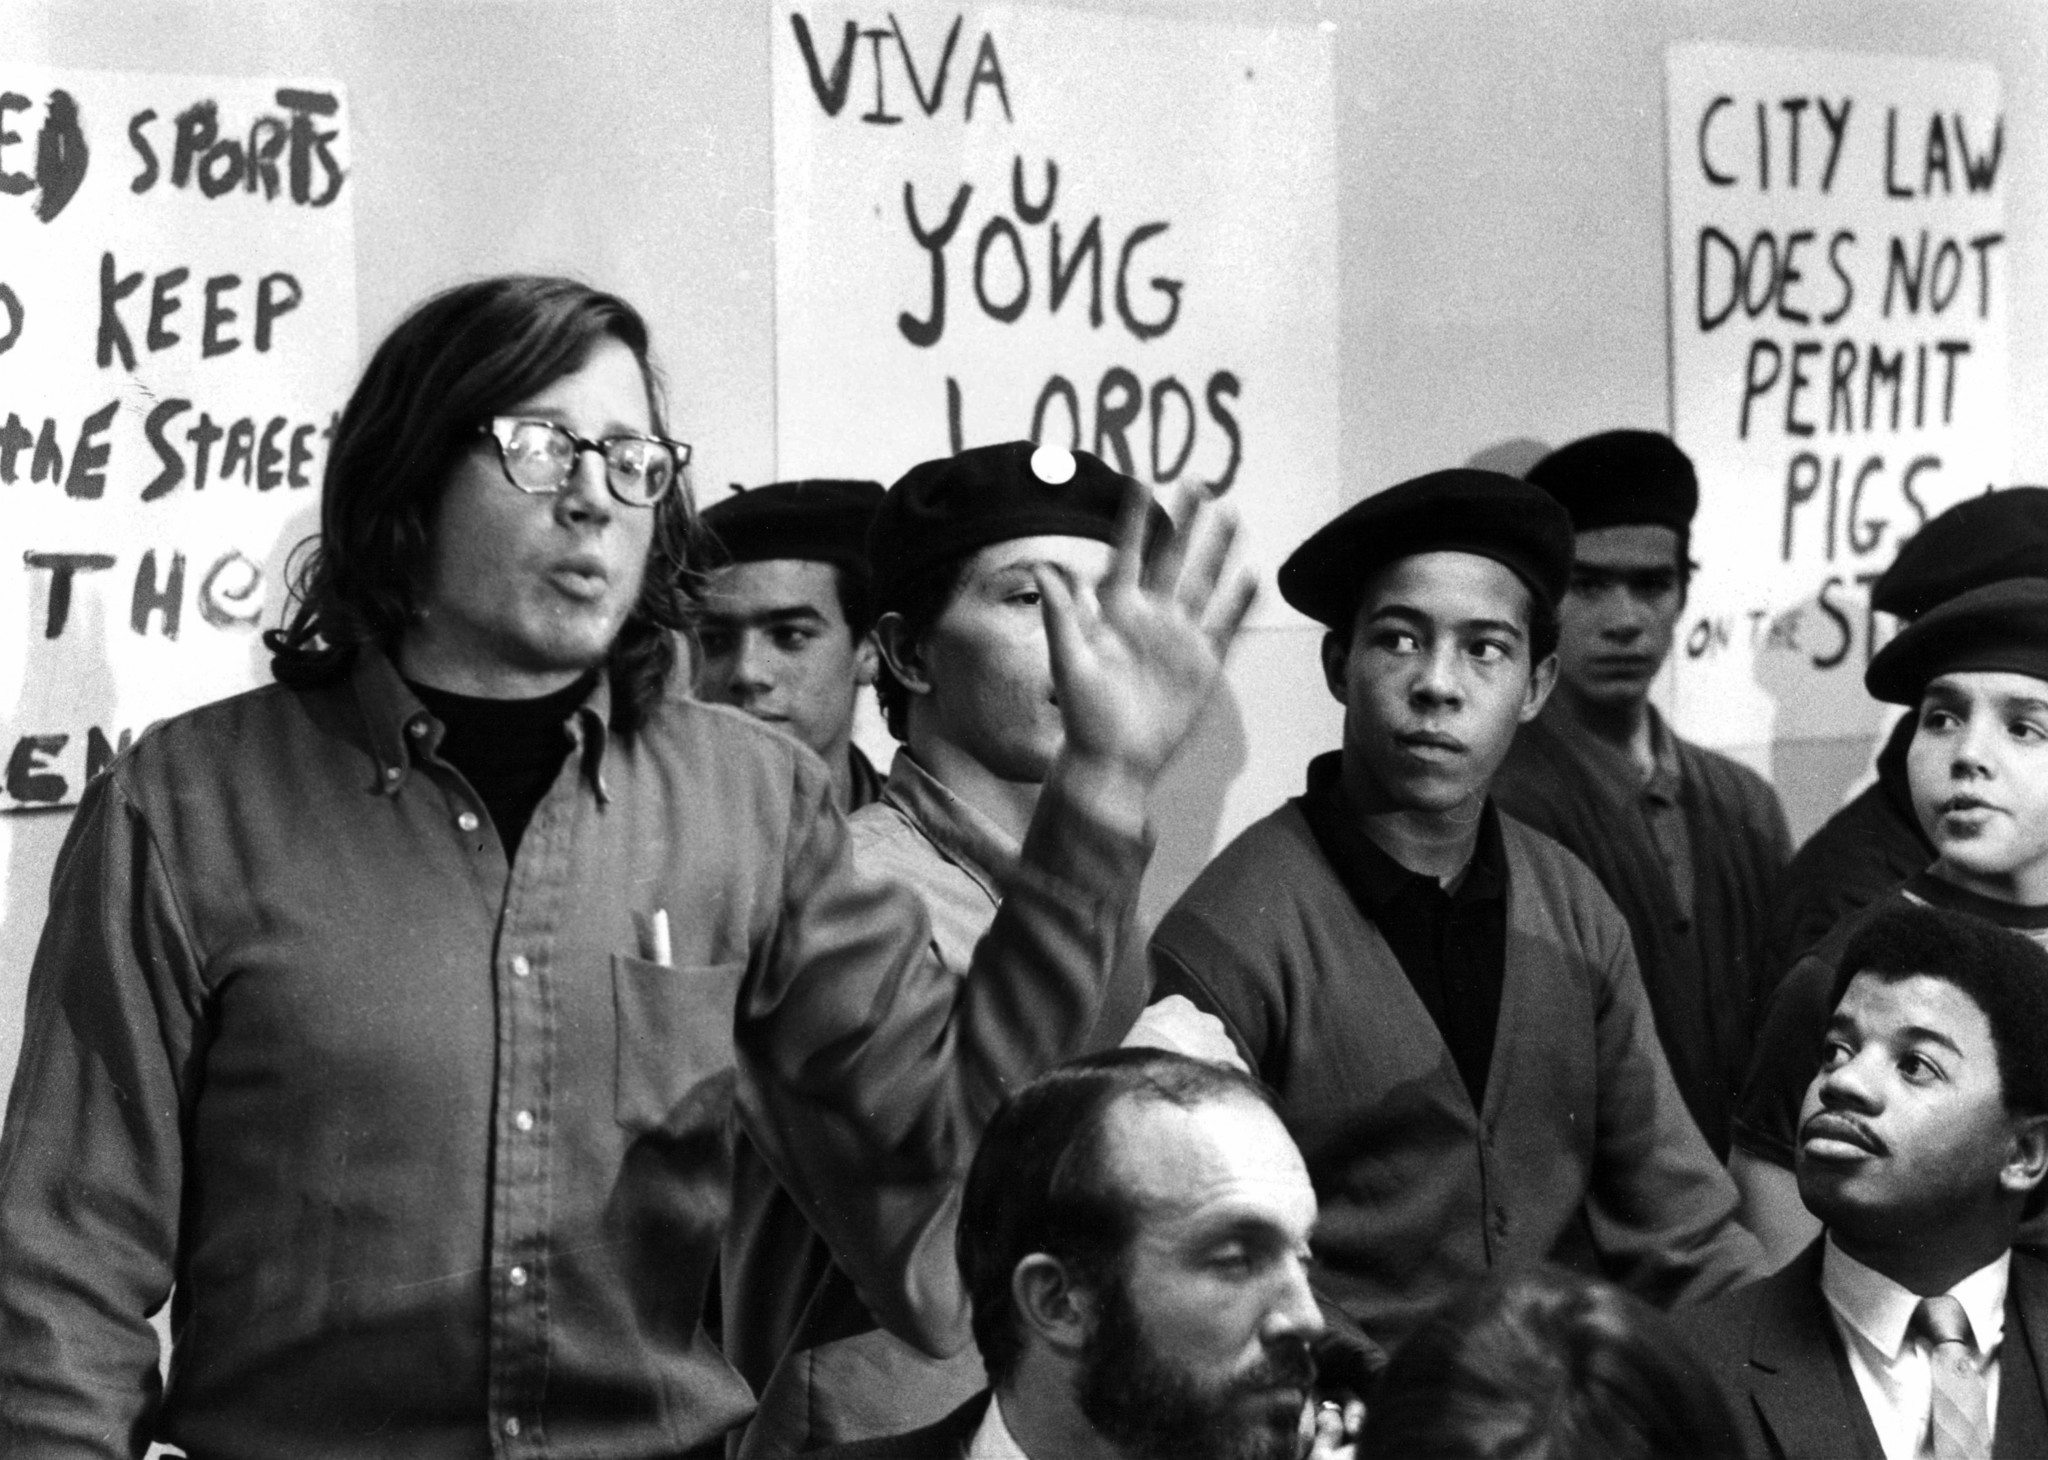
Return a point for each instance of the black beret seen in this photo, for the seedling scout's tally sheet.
(940, 511)
(2000, 626)
(818, 521)
(1979, 540)
(1622, 479)
(1462, 510)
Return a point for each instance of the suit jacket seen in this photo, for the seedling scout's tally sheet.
(1779, 1358)
(946, 1440)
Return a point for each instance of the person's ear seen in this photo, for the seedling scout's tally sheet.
(1336, 656)
(2026, 1159)
(1051, 1305)
(902, 652)
(1542, 680)
(866, 659)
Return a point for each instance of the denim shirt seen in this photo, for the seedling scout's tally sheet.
(437, 1150)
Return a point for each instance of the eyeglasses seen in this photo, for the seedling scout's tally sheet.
(539, 456)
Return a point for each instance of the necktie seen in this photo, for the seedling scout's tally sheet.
(1959, 1427)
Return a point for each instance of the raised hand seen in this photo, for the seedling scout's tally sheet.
(1135, 663)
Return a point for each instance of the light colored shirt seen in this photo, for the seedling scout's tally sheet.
(993, 1441)
(1895, 1374)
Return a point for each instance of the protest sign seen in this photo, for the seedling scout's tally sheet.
(177, 333)
(1108, 232)
(1839, 360)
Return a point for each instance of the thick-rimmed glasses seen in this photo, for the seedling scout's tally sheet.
(539, 457)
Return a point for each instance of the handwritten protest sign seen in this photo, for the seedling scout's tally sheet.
(1108, 232)
(1839, 363)
(177, 332)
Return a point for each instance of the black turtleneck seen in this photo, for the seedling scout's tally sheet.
(508, 750)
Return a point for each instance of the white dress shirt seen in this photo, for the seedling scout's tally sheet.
(1872, 1313)
(993, 1441)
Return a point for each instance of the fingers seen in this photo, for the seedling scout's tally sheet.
(1127, 567)
(1226, 614)
(1068, 619)
(1164, 569)
(1209, 533)
(1337, 1429)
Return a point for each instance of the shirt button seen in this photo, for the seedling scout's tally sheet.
(511, 1425)
(517, 1277)
(467, 821)
(520, 967)
(416, 729)
(391, 774)
(523, 1120)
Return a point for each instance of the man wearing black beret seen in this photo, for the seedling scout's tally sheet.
(1689, 843)
(1974, 671)
(784, 613)
(963, 549)
(1445, 1001)
(1874, 843)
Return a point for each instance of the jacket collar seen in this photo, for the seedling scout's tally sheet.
(964, 836)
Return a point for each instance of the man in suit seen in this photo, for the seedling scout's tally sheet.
(1911, 1327)
(1134, 1237)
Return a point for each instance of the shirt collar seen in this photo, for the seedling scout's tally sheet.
(1617, 766)
(1662, 787)
(1880, 1309)
(961, 833)
(401, 731)
(993, 1440)
(1375, 878)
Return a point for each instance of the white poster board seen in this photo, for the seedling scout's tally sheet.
(177, 333)
(1839, 367)
(1110, 232)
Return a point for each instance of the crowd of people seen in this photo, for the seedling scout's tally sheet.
(532, 1027)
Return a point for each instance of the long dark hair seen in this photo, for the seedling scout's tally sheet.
(467, 353)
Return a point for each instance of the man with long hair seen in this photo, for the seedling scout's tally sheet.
(394, 1015)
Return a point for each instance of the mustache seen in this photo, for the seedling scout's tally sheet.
(1835, 1125)
(1289, 1363)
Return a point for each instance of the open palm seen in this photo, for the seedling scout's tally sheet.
(1134, 664)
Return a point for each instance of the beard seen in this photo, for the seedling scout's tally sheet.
(1150, 1408)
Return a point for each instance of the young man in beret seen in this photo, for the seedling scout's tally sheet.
(1689, 844)
(962, 548)
(1445, 1001)
(1914, 1328)
(1875, 842)
(783, 616)
(1975, 669)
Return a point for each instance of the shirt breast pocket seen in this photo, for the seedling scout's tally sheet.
(675, 1056)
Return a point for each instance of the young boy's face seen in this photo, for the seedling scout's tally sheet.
(1979, 772)
(1435, 678)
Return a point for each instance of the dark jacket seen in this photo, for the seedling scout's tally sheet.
(1702, 971)
(1775, 1351)
(1860, 853)
(1581, 1149)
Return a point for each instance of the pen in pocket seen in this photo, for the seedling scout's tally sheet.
(654, 940)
